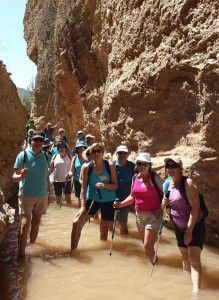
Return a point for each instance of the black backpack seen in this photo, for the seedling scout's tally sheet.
(153, 174)
(203, 206)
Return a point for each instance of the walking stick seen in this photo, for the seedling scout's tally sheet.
(158, 241)
(113, 231)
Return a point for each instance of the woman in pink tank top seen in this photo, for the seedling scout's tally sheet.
(146, 193)
(189, 224)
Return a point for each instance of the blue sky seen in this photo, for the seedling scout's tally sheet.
(13, 45)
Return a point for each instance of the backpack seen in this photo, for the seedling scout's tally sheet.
(106, 165)
(203, 206)
(158, 190)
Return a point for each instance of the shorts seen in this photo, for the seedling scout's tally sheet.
(122, 215)
(147, 220)
(106, 209)
(198, 235)
(77, 187)
(62, 186)
(34, 205)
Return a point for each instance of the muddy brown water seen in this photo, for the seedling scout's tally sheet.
(51, 272)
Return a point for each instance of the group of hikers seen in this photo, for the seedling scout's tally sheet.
(112, 187)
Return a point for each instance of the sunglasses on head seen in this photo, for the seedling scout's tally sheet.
(96, 151)
(143, 164)
(172, 165)
(121, 153)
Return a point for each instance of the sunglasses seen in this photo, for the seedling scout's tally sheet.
(172, 166)
(143, 164)
(96, 151)
(38, 140)
(80, 148)
(122, 153)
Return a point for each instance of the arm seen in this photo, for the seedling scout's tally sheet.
(72, 169)
(84, 179)
(193, 198)
(80, 178)
(19, 174)
(129, 200)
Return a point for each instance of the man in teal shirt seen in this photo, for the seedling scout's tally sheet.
(31, 169)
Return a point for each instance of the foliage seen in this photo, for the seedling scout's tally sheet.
(27, 96)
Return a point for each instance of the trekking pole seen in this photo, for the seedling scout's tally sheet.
(113, 231)
(158, 241)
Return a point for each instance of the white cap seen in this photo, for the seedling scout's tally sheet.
(90, 136)
(144, 157)
(175, 159)
(122, 148)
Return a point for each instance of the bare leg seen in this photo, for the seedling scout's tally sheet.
(78, 222)
(123, 228)
(185, 259)
(26, 220)
(104, 228)
(196, 269)
(35, 224)
(68, 198)
(79, 202)
(149, 241)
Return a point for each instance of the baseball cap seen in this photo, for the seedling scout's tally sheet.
(122, 148)
(144, 157)
(175, 159)
(37, 135)
(81, 144)
(90, 136)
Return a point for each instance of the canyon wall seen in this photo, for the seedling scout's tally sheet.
(12, 131)
(13, 117)
(143, 73)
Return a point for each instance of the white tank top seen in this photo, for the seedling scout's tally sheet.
(61, 167)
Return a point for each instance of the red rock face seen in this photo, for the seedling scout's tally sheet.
(12, 129)
(145, 73)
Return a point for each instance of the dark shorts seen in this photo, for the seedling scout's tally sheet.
(62, 186)
(106, 209)
(77, 188)
(198, 235)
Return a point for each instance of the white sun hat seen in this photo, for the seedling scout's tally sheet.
(144, 157)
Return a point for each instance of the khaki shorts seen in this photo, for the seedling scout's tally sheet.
(34, 205)
(147, 220)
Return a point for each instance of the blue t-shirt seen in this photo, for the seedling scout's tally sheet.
(124, 178)
(103, 195)
(35, 183)
(77, 168)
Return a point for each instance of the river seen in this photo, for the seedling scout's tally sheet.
(51, 272)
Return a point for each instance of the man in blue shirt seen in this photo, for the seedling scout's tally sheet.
(31, 169)
(125, 172)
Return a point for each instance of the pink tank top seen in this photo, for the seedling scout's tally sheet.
(146, 198)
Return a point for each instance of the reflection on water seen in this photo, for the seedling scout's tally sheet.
(52, 272)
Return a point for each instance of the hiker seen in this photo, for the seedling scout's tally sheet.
(75, 168)
(62, 135)
(27, 142)
(89, 138)
(60, 165)
(30, 125)
(124, 171)
(31, 169)
(49, 131)
(187, 217)
(98, 187)
(80, 136)
(146, 193)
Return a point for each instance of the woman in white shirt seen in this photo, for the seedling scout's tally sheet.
(60, 165)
